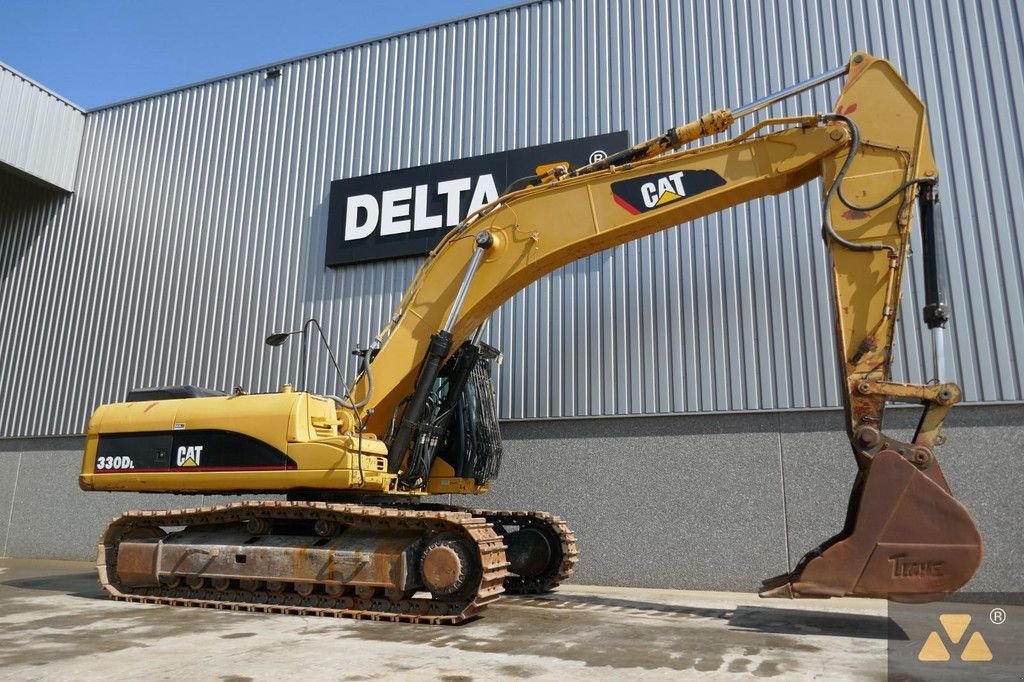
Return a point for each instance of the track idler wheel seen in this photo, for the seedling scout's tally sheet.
(448, 567)
(529, 552)
(906, 539)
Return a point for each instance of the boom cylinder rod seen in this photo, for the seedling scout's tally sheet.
(939, 354)
(483, 242)
(795, 89)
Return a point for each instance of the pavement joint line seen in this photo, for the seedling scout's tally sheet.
(785, 509)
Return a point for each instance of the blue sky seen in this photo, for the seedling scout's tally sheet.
(96, 52)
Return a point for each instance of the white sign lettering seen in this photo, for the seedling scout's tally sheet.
(354, 228)
(392, 213)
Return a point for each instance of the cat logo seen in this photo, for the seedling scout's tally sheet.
(955, 625)
(189, 456)
(639, 195)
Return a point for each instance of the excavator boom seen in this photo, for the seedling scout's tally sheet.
(905, 536)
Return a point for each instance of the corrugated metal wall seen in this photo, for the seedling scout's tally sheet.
(200, 219)
(40, 133)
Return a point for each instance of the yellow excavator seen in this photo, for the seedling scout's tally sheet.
(355, 536)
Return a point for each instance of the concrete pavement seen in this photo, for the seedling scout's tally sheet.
(56, 624)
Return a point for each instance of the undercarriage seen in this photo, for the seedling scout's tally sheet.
(431, 564)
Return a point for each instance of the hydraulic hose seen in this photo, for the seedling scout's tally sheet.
(835, 187)
(836, 190)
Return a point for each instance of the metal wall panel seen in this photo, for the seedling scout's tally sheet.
(199, 222)
(40, 132)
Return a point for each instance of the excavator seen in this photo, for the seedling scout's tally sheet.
(350, 531)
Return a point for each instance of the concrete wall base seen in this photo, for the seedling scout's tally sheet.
(712, 502)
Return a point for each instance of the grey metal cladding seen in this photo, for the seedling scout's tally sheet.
(198, 226)
(40, 132)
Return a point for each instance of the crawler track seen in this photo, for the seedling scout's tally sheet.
(489, 545)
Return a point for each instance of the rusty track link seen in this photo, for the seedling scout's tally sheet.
(569, 554)
(489, 545)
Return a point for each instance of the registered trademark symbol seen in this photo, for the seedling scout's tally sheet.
(997, 616)
(599, 155)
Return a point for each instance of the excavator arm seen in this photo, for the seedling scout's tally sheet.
(905, 535)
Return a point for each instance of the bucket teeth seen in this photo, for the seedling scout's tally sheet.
(778, 587)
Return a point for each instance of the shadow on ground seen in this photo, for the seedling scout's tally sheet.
(84, 585)
(750, 618)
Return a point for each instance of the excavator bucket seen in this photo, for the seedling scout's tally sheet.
(906, 539)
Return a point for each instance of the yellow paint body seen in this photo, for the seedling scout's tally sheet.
(302, 426)
(542, 228)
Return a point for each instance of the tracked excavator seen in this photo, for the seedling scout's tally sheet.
(355, 535)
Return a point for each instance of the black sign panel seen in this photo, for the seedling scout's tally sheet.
(406, 212)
